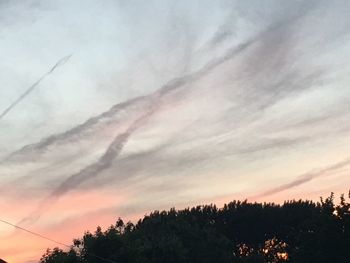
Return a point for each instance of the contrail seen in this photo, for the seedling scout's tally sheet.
(117, 145)
(105, 161)
(91, 171)
(302, 179)
(59, 63)
(172, 84)
(165, 89)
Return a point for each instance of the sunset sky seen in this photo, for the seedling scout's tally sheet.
(160, 104)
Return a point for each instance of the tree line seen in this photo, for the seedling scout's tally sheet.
(240, 231)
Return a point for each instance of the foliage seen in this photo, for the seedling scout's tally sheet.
(296, 231)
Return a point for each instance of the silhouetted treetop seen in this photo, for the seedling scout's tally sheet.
(295, 231)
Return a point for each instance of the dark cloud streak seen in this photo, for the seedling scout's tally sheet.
(173, 84)
(103, 163)
(120, 140)
(155, 99)
(302, 179)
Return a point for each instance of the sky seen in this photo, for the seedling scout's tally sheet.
(117, 108)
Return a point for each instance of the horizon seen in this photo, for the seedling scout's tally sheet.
(118, 108)
(134, 221)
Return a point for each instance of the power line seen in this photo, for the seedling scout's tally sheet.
(33, 233)
(52, 240)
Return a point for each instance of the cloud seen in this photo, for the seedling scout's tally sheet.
(264, 96)
(114, 149)
(302, 179)
(202, 101)
(79, 130)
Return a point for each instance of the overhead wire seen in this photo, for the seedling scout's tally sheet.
(52, 240)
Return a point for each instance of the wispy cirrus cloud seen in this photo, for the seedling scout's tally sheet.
(237, 98)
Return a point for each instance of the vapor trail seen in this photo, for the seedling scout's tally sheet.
(105, 161)
(168, 87)
(120, 140)
(302, 179)
(172, 84)
(59, 63)
(91, 171)
(117, 145)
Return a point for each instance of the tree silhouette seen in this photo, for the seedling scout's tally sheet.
(296, 231)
